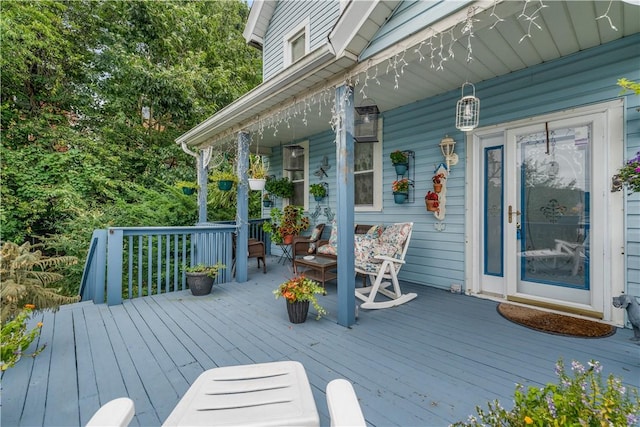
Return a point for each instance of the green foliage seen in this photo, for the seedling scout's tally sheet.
(399, 157)
(210, 270)
(627, 84)
(280, 187)
(93, 96)
(287, 222)
(318, 190)
(27, 277)
(301, 288)
(582, 399)
(15, 339)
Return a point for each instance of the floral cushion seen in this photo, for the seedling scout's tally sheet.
(315, 234)
(365, 246)
(333, 238)
(375, 230)
(328, 249)
(396, 234)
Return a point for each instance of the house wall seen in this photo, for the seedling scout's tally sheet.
(288, 15)
(409, 18)
(436, 258)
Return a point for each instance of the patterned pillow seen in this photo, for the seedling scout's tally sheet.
(365, 246)
(315, 234)
(375, 230)
(328, 249)
(396, 234)
(333, 238)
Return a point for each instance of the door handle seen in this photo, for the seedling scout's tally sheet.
(511, 213)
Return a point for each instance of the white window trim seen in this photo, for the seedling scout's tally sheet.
(377, 174)
(305, 146)
(288, 38)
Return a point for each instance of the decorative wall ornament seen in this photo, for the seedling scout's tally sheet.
(439, 226)
(467, 110)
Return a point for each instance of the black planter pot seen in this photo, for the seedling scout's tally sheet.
(199, 283)
(297, 311)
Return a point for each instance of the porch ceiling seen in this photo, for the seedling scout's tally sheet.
(499, 46)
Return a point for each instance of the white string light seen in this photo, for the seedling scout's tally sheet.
(606, 15)
(439, 52)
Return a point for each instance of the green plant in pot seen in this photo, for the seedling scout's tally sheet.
(299, 291)
(187, 187)
(400, 161)
(266, 200)
(224, 178)
(258, 171)
(319, 191)
(200, 277)
(284, 225)
(280, 187)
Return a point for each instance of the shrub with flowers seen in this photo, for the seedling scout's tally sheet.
(629, 175)
(400, 186)
(301, 288)
(580, 399)
(15, 339)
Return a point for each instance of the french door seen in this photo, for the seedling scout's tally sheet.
(544, 228)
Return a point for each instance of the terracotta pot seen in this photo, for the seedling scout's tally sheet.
(432, 205)
(288, 239)
(437, 188)
(297, 311)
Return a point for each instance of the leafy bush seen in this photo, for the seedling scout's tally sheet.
(578, 400)
(15, 339)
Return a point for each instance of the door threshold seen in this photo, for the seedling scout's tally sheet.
(557, 307)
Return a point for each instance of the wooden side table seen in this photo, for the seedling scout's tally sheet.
(320, 269)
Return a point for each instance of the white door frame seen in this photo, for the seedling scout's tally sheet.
(609, 278)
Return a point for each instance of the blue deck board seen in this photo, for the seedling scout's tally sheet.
(428, 362)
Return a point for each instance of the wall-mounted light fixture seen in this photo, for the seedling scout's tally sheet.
(467, 110)
(448, 146)
(366, 121)
(293, 158)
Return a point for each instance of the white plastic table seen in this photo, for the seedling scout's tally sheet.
(266, 394)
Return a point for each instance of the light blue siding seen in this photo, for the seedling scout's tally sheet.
(409, 18)
(435, 257)
(287, 16)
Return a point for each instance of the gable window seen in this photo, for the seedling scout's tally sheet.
(368, 174)
(296, 43)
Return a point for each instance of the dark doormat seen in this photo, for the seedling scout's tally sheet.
(554, 323)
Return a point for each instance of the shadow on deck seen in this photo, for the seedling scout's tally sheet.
(425, 363)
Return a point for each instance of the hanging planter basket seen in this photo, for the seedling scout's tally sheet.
(225, 185)
(400, 198)
(257, 184)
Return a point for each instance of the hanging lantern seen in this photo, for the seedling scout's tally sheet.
(294, 158)
(467, 110)
(366, 121)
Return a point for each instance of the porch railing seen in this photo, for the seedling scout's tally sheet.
(130, 262)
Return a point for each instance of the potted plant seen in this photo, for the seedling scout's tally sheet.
(298, 292)
(187, 187)
(266, 200)
(319, 191)
(200, 277)
(280, 187)
(431, 200)
(257, 173)
(438, 181)
(284, 225)
(400, 190)
(225, 179)
(400, 161)
(628, 175)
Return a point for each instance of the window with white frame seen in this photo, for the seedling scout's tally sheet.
(296, 43)
(368, 174)
(300, 179)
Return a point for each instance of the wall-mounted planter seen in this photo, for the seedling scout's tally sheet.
(400, 198)
(438, 206)
(401, 168)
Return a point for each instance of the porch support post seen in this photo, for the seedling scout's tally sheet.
(202, 165)
(345, 200)
(242, 212)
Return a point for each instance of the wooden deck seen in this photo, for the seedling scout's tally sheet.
(426, 363)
